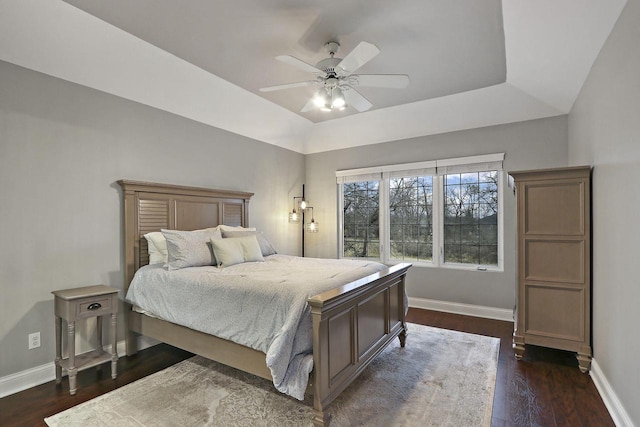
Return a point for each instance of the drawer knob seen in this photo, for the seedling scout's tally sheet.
(94, 306)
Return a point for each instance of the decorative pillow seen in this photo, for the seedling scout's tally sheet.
(223, 227)
(190, 248)
(157, 248)
(265, 245)
(236, 250)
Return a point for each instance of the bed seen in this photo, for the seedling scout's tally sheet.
(351, 323)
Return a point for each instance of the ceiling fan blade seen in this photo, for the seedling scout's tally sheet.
(397, 81)
(359, 56)
(298, 63)
(356, 100)
(287, 86)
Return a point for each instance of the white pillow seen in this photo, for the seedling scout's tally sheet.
(157, 248)
(265, 245)
(190, 248)
(236, 250)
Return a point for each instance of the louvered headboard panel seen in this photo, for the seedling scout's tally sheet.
(153, 216)
(150, 207)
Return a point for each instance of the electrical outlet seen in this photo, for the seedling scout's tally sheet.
(34, 340)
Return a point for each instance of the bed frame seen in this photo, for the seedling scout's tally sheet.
(352, 324)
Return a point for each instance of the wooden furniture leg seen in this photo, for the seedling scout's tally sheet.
(114, 347)
(403, 336)
(518, 346)
(99, 337)
(58, 349)
(584, 359)
(71, 345)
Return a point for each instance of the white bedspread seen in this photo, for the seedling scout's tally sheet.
(261, 305)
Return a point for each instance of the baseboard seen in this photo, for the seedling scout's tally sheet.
(609, 397)
(28, 378)
(464, 309)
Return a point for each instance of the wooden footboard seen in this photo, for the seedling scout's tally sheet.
(352, 324)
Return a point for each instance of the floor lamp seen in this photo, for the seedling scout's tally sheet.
(297, 215)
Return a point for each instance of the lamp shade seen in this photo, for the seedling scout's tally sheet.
(312, 227)
(337, 99)
(321, 98)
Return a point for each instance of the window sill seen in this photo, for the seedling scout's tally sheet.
(460, 267)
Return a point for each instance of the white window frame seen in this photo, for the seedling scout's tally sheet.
(438, 169)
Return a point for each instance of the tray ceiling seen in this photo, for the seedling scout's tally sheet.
(472, 63)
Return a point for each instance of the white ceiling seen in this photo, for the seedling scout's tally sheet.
(472, 63)
(239, 42)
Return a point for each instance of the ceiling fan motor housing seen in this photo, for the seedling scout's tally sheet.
(328, 65)
(331, 82)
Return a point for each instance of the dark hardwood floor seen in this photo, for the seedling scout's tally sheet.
(546, 388)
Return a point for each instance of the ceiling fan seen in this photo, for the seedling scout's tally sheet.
(337, 79)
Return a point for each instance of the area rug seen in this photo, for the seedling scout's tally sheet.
(441, 378)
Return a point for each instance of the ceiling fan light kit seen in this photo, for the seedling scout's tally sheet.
(328, 99)
(337, 99)
(338, 79)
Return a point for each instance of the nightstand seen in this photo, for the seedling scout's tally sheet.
(83, 303)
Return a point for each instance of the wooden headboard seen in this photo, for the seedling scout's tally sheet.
(150, 207)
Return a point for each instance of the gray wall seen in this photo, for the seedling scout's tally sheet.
(528, 145)
(604, 130)
(62, 148)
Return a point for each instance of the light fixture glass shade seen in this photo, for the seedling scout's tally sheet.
(294, 217)
(312, 227)
(303, 204)
(321, 98)
(337, 99)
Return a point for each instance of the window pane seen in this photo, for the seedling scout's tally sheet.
(410, 216)
(451, 253)
(373, 249)
(360, 219)
(349, 231)
(489, 254)
(425, 252)
(469, 234)
(469, 254)
(425, 235)
(471, 218)
(349, 250)
(451, 234)
(488, 234)
(452, 179)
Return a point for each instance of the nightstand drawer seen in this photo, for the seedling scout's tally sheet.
(95, 306)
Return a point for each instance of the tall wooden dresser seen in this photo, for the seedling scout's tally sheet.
(554, 261)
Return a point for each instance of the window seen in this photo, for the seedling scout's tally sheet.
(411, 218)
(471, 218)
(361, 219)
(443, 213)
